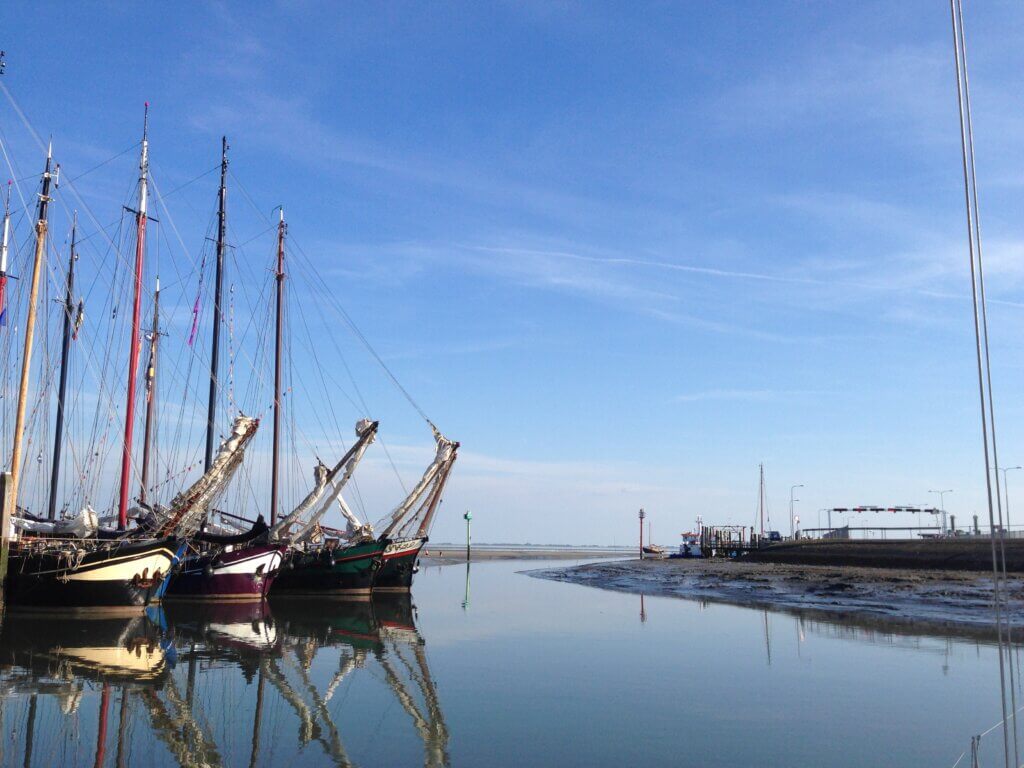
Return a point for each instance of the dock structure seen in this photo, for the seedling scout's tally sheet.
(727, 540)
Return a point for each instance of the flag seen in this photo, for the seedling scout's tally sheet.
(195, 321)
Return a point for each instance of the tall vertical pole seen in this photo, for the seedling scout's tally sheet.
(133, 354)
(468, 517)
(30, 328)
(4, 244)
(760, 498)
(218, 291)
(278, 336)
(62, 387)
(147, 436)
(642, 516)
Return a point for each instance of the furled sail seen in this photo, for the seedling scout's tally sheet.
(299, 524)
(418, 507)
(188, 508)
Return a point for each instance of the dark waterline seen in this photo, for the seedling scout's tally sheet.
(504, 671)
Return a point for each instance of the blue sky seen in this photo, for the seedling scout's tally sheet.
(623, 253)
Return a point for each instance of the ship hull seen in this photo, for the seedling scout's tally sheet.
(398, 565)
(123, 574)
(246, 573)
(342, 572)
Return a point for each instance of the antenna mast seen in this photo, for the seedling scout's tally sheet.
(133, 354)
(760, 498)
(211, 417)
(30, 325)
(275, 462)
(62, 388)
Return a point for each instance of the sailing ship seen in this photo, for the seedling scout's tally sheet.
(238, 566)
(45, 568)
(178, 551)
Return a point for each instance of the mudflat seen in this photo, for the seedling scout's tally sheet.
(920, 599)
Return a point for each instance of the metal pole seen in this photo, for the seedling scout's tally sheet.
(468, 518)
(792, 501)
(1006, 494)
(642, 516)
(942, 507)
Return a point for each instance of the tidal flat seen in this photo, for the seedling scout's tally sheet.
(956, 601)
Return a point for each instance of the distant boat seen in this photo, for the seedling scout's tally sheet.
(690, 546)
(653, 550)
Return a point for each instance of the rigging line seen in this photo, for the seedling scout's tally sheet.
(970, 213)
(988, 376)
(108, 160)
(344, 315)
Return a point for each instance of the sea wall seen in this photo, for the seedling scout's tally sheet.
(956, 554)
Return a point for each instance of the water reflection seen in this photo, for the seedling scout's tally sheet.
(183, 677)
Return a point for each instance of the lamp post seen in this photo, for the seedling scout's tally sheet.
(792, 501)
(942, 506)
(1006, 495)
(642, 516)
(467, 517)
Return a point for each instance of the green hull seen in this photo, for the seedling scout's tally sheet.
(341, 571)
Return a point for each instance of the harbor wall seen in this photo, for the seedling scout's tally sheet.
(954, 554)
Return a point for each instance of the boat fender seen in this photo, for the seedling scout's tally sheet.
(208, 570)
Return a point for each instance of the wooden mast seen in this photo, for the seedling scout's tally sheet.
(211, 416)
(62, 387)
(147, 437)
(30, 327)
(279, 326)
(133, 354)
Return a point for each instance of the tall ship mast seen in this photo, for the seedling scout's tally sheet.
(133, 353)
(62, 387)
(278, 334)
(218, 292)
(30, 323)
(147, 436)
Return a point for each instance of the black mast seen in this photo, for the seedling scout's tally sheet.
(147, 440)
(279, 327)
(62, 388)
(211, 417)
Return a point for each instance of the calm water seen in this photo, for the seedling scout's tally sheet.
(526, 672)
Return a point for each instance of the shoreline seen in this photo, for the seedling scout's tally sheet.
(924, 601)
(454, 554)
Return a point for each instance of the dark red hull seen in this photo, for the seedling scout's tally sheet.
(246, 573)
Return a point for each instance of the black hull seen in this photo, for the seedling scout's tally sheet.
(129, 574)
(397, 570)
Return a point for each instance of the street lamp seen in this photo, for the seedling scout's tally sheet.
(942, 506)
(1006, 492)
(792, 522)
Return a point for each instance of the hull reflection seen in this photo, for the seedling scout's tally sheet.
(38, 647)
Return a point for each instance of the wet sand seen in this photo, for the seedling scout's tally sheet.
(960, 602)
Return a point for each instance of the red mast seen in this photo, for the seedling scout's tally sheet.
(281, 229)
(133, 355)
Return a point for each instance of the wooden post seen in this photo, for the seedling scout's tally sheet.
(6, 510)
